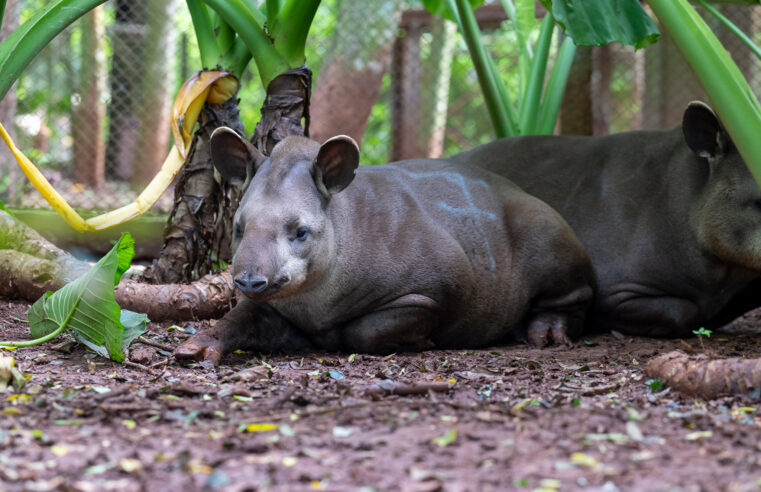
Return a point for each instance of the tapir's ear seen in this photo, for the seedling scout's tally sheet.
(334, 166)
(234, 157)
(702, 130)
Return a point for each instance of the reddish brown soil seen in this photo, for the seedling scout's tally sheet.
(515, 418)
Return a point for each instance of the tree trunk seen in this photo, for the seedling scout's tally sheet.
(8, 166)
(350, 79)
(198, 235)
(128, 40)
(576, 112)
(154, 107)
(437, 71)
(89, 145)
(30, 266)
(199, 232)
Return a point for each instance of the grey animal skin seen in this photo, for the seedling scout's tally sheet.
(407, 256)
(671, 218)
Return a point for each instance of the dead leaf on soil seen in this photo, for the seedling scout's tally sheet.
(11, 378)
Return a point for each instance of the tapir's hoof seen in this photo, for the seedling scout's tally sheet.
(548, 329)
(199, 348)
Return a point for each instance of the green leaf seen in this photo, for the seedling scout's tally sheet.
(442, 8)
(134, 326)
(525, 19)
(599, 22)
(87, 309)
(2, 207)
(446, 439)
(18, 49)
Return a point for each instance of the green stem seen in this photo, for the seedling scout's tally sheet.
(504, 99)
(725, 85)
(732, 27)
(225, 36)
(49, 336)
(526, 53)
(2, 11)
(530, 104)
(241, 17)
(291, 28)
(553, 94)
(21, 46)
(472, 35)
(207, 42)
(36, 341)
(237, 57)
(273, 9)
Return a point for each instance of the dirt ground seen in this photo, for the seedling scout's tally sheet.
(504, 418)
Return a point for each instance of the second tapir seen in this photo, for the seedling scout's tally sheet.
(406, 256)
(671, 218)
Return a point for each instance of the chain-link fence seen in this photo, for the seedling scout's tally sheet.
(92, 110)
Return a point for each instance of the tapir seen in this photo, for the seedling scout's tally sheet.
(671, 218)
(405, 256)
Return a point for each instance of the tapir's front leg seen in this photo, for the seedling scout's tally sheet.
(404, 325)
(249, 325)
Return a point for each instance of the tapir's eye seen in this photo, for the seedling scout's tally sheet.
(302, 233)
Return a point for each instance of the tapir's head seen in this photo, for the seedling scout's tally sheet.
(728, 213)
(283, 237)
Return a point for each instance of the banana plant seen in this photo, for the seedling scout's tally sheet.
(726, 87)
(714, 68)
(536, 108)
(230, 33)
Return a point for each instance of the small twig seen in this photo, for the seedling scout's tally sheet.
(600, 390)
(161, 346)
(386, 387)
(160, 363)
(141, 367)
(114, 393)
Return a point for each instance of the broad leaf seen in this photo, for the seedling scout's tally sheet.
(599, 22)
(442, 8)
(525, 21)
(86, 307)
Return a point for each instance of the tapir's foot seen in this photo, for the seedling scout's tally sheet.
(200, 347)
(547, 329)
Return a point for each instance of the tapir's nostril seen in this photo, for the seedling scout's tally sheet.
(248, 283)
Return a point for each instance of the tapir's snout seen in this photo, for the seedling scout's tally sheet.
(251, 284)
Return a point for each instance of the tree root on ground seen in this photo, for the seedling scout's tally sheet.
(34, 266)
(699, 375)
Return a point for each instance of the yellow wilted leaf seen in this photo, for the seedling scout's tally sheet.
(59, 450)
(446, 439)
(582, 459)
(215, 86)
(12, 412)
(261, 427)
(130, 465)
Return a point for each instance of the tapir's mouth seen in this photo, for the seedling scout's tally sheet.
(270, 291)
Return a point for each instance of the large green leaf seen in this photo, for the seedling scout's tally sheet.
(18, 49)
(86, 307)
(599, 22)
(443, 8)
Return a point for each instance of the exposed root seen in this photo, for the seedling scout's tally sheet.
(208, 297)
(35, 266)
(699, 375)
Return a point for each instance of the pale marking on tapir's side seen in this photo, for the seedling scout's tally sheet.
(476, 213)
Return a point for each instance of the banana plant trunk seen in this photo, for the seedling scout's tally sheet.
(198, 234)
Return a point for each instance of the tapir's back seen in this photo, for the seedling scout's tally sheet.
(468, 238)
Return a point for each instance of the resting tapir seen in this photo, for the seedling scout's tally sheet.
(405, 256)
(671, 218)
